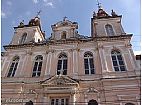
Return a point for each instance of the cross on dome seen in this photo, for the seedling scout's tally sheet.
(38, 13)
(64, 18)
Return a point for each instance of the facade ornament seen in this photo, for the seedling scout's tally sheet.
(95, 49)
(21, 24)
(92, 90)
(128, 45)
(4, 54)
(114, 48)
(52, 51)
(29, 53)
(100, 46)
(113, 14)
(70, 50)
(47, 52)
(64, 18)
(94, 14)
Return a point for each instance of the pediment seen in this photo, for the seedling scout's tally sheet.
(59, 81)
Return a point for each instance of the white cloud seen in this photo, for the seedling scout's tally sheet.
(46, 2)
(3, 14)
(49, 4)
(35, 1)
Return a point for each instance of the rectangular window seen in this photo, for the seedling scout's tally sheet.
(115, 63)
(91, 63)
(116, 68)
(92, 71)
(87, 71)
(60, 101)
(64, 64)
(122, 68)
(37, 69)
(59, 65)
(86, 64)
(113, 57)
(12, 69)
(119, 57)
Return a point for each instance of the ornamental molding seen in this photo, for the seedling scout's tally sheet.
(4, 54)
(59, 81)
(29, 52)
(68, 41)
(128, 45)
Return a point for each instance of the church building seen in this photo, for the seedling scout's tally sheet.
(69, 68)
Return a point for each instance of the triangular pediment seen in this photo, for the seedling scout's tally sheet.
(60, 80)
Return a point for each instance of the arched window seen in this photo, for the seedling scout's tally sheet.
(129, 104)
(23, 38)
(62, 65)
(13, 66)
(37, 66)
(63, 35)
(89, 63)
(117, 60)
(109, 30)
(92, 102)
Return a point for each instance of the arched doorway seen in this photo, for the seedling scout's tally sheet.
(92, 102)
(29, 103)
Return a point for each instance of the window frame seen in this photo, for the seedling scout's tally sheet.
(109, 30)
(117, 67)
(13, 66)
(58, 101)
(23, 38)
(64, 35)
(37, 67)
(88, 56)
(63, 66)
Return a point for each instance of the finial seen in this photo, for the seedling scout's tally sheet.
(64, 18)
(94, 13)
(113, 13)
(99, 4)
(38, 13)
(21, 24)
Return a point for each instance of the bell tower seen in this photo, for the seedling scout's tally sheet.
(30, 33)
(103, 24)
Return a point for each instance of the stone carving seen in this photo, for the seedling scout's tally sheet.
(59, 80)
(29, 53)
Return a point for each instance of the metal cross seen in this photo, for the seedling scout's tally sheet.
(38, 13)
(64, 18)
(99, 4)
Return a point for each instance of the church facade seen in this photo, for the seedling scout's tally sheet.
(69, 68)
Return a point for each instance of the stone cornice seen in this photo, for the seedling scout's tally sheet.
(73, 40)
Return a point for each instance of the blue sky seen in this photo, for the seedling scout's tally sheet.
(14, 11)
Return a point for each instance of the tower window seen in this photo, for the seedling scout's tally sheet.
(37, 66)
(13, 66)
(89, 63)
(117, 61)
(63, 35)
(62, 65)
(109, 30)
(23, 38)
